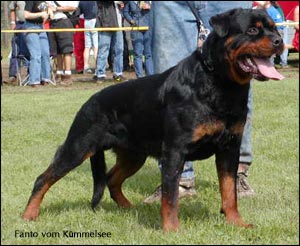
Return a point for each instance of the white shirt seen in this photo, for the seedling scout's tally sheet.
(60, 14)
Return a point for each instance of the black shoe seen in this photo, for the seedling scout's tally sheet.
(99, 79)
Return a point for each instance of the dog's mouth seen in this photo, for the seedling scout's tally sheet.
(261, 68)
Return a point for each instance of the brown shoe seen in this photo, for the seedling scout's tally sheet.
(242, 185)
(44, 83)
(66, 80)
(183, 192)
(11, 80)
(35, 85)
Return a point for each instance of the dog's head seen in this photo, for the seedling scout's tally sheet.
(242, 43)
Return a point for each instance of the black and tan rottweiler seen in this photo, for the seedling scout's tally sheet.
(190, 112)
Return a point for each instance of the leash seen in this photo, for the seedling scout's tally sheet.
(202, 35)
(202, 31)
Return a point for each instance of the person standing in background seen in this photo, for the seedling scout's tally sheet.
(61, 43)
(109, 15)
(18, 45)
(89, 11)
(137, 13)
(174, 29)
(36, 14)
(79, 46)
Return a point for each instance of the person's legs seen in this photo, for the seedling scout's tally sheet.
(243, 187)
(164, 37)
(165, 56)
(284, 55)
(148, 53)
(79, 47)
(33, 44)
(13, 62)
(88, 40)
(118, 47)
(45, 59)
(186, 184)
(176, 30)
(137, 42)
(103, 52)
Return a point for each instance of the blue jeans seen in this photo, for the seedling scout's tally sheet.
(213, 8)
(141, 42)
(174, 33)
(245, 149)
(216, 7)
(284, 56)
(38, 47)
(90, 37)
(105, 40)
(175, 37)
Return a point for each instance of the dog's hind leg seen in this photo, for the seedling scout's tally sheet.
(67, 157)
(127, 164)
(98, 167)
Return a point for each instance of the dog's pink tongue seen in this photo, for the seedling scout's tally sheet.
(267, 69)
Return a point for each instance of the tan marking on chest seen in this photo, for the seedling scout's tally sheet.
(207, 129)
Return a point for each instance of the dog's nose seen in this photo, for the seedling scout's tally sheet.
(277, 41)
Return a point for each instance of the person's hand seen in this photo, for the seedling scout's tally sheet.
(146, 6)
(13, 25)
(121, 5)
(44, 16)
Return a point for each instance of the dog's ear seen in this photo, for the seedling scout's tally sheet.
(221, 22)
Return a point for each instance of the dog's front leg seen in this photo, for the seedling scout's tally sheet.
(171, 169)
(227, 165)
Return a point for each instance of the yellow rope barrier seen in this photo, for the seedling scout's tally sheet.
(108, 29)
(99, 29)
(287, 24)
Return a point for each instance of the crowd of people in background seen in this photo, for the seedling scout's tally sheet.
(109, 48)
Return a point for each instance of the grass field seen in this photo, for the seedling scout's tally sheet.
(34, 122)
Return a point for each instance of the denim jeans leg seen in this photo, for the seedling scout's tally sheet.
(216, 7)
(103, 52)
(33, 45)
(12, 72)
(188, 171)
(118, 45)
(45, 52)
(164, 36)
(137, 43)
(245, 149)
(284, 55)
(148, 53)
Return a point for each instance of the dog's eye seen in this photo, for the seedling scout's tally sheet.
(253, 31)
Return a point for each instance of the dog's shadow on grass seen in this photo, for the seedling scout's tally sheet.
(148, 215)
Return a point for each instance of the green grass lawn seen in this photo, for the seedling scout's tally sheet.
(34, 122)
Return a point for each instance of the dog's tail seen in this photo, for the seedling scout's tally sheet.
(98, 167)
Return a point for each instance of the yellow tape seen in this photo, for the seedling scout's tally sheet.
(108, 29)
(287, 24)
(99, 29)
